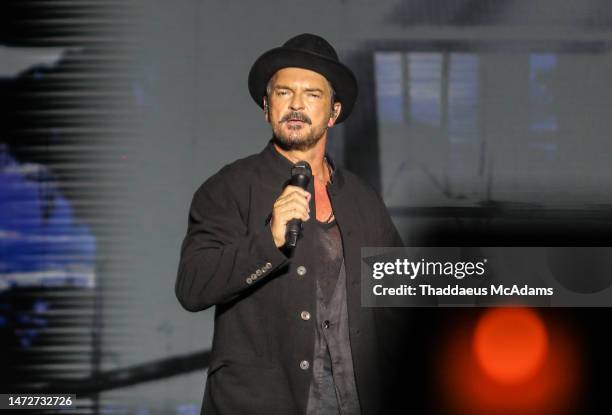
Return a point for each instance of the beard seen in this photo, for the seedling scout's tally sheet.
(297, 138)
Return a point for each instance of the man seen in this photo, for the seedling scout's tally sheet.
(290, 334)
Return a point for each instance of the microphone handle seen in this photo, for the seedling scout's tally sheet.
(294, 227)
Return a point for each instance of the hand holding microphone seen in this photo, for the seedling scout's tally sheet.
(291, 207)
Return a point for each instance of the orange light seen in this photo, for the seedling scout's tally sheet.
(508, 361)
(510, 344)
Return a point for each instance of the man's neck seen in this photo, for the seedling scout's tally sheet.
(314, 156)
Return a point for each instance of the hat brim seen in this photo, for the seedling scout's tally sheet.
(340, 76)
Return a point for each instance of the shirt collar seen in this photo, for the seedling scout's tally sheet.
(282, 165)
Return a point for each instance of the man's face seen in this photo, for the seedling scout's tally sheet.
(299, 108)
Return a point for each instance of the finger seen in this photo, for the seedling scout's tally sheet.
(293, 213)
(293, 210)
(295, 189)
(298, 200)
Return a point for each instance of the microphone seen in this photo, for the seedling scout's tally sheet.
(300, 177)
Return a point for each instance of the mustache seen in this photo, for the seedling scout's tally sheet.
(295, 115)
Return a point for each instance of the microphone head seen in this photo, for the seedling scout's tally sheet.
(301, 168)
(301, 174)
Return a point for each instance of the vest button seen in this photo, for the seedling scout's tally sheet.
(301, 270)
(304, 365)
(305, 315)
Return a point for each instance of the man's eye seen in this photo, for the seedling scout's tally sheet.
(315, 95)
(281, 93)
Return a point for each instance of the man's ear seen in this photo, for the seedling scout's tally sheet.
(265, 108)
(334, 114)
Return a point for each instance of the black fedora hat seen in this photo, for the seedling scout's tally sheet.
(306, 51)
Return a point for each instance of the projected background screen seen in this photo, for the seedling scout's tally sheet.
(466, 128)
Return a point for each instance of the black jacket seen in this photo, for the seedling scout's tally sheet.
(228, 259)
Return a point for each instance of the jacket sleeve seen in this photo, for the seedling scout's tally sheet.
(389, 236)
(220, 258)
(389, 231)
(394, 323)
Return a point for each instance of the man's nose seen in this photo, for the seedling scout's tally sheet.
(296, 102)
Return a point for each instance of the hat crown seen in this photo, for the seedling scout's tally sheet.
(312, 43)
